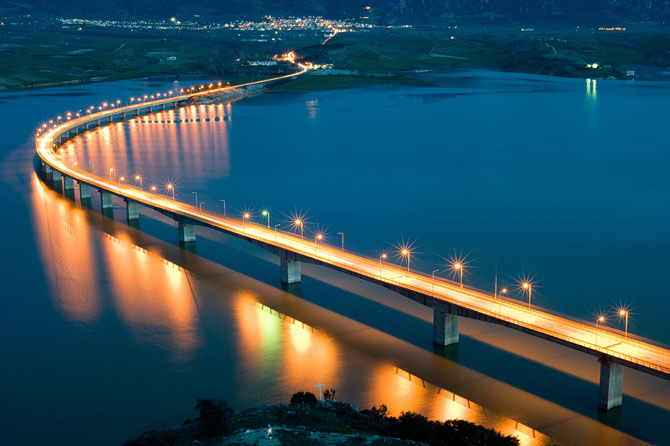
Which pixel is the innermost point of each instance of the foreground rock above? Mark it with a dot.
(309, 422)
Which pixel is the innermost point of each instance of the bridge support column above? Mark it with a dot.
(611, 384)
(48, 170)
(105, 199)
(56, 176)
(186, 232)
(290, 271)
(84, 191)
(68, 182)
(445, 328)
(133, 209)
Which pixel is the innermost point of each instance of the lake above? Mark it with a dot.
(110, 329)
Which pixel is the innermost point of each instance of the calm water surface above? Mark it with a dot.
(109, 329)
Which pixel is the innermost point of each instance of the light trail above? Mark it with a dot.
(649, 357)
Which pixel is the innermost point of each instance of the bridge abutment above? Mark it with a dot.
(132, 209)
(290, 271)
(611, 384)
(186, 232)
(445, 327)
(105, 199)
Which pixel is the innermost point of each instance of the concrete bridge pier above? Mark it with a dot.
(105, 199)
(611, 384)
(186, 232)
(445, 327)
(56, 177)
(84, 191)
(68, 183)
(133, 209)
(290, 271)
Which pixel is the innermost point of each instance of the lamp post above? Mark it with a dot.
(342, 234)
(196, 198)
(246, 216)
(432, 284)
(276, 231)
(600, 320)
(153, 188)
(224, 207)
(170, 187)
(406, 253)
(381, 257)
(200, 205)
(267, 214)
(528, 287)
(317, 239)
(299, 223)
(111, 173)
(139, 178)
(458, 267)
(624, 314)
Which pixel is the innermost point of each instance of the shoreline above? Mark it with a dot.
(347, 79)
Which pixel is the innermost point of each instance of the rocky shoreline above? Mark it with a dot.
(308, 422)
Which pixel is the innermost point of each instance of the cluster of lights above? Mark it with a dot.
(133, 100)
(620, 312)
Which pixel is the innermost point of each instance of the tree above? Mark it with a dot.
(329, 394)
(214, 416)
(305, 398)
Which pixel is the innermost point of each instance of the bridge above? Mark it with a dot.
(448, 301)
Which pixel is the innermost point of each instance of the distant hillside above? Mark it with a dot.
(382, 11)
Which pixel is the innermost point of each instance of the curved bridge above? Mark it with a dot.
(448, 301)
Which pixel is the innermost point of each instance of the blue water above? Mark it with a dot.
(109, 330)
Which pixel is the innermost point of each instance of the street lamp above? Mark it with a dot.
(267, 214)
(458, 267)
(526, 286)
(406, 253)
(200, 205)
(153, 188)
(432, 284)
(600, 320)
(276, 231)
(111, 173)
(170, 187)
(139, 179)
(122, 179)
(246, 216)
(342, 234)
(381, 257)
(224, 207)
(196, 197)
(299, 223)
(624, 314)
(317, 239)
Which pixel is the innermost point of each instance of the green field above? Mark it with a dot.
(38, 59)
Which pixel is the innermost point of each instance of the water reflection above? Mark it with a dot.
(201, 134)
(153, 297)
(64, 243)
(276, 344)
(591, 88)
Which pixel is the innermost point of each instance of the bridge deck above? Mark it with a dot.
(632, 352)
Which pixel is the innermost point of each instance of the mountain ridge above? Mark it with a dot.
(381, 11)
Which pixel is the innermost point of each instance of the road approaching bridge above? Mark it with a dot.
(449, 302)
